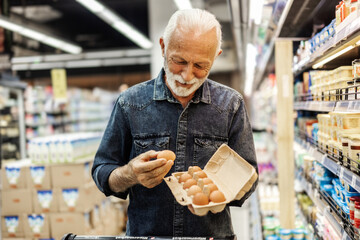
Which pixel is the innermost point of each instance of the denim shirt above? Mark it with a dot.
(147, 117)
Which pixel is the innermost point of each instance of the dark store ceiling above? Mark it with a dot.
(70, 20)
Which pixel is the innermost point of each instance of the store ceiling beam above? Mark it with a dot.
(117, 22)
(39, 35)
(83, 60)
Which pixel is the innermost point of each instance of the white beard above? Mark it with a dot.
(179, 90)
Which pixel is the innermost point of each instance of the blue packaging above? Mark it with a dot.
(348, 195)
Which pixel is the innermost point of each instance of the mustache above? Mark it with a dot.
(182, 81)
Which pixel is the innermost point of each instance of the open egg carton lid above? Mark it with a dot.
(232, 174)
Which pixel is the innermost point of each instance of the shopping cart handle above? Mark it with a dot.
(68, 236)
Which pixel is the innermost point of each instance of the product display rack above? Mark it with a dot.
(347, 33)
(328, 206)
(309, 225)
(16, 89)
(84, 111)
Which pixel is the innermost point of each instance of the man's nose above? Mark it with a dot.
(188, 73)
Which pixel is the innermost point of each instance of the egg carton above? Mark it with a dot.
(232, 174)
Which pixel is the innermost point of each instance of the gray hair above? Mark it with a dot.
(191, 19)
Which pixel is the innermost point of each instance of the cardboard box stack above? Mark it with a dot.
(47, 201)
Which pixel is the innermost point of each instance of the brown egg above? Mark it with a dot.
(189, 183)
(200, 199)
(167, 154)
(212, 187)
(193, 190)
(217, 196)
(184, 177)
(193, 169)
(201, 174)
(207, 181)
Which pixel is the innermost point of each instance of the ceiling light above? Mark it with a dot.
(335, 55)
(39, 36)
(118, 23)
(256, 8)
(92, 5)
(183, 4)
(133, 34)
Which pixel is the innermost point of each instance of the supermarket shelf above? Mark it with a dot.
(328, 106)
(319, 106)
(309, 227)
(347, 33)
(326, 207)
(330, 163)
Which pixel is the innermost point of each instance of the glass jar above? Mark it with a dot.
(357, 215)
(354, 5)
(350, 92)
(354, 149)
(345, 150)
(337, 15)
(357, 88)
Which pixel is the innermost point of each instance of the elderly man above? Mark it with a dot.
(180, 110)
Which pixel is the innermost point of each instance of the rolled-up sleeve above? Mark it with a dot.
(114, 150)
(241, 140)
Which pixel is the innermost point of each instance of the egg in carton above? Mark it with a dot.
(233, 176)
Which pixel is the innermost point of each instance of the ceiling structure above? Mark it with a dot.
(71, 21)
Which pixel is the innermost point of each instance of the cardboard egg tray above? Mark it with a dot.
(233, 176)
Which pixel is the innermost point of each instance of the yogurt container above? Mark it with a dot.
(347, 196)
(285, 234)
(298, 234)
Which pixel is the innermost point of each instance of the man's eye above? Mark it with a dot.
(199, 66)
(179, 61)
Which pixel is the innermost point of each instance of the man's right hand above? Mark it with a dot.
(140, 170)
(150, 173)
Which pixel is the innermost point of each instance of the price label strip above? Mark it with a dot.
(353, 181)
(350, 106)
(323, 159)
(341, 176)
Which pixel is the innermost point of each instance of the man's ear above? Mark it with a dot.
(162, 45)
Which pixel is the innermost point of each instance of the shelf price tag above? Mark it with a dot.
(323, 159)
(356, 105)
(311, 151)
(350, 106)
(341, 173)
(58, 79)
(344, 236)
(353, 181)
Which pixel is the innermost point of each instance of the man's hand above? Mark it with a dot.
(140, 170)
(150, 173)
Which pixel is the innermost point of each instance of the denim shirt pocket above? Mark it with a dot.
(151, 142)
(205, 147)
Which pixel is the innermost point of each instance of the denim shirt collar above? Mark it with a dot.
(162, 92)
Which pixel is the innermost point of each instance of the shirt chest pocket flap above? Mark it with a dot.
(204, 148)
(157, 143)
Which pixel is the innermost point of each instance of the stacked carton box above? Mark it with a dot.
(48, 201)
